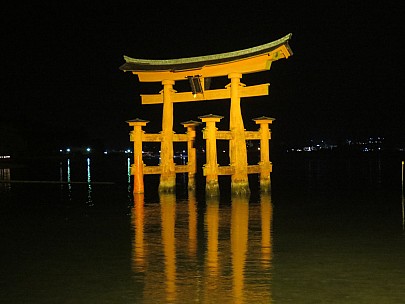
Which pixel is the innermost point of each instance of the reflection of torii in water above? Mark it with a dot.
(197, 70)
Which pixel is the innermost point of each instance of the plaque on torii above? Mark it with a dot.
(196, 69)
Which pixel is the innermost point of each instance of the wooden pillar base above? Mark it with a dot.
(212, 188)
(265, 183)
(167, 185)
(137, 171)
(240, 187)
(191, 182)
(138, 182)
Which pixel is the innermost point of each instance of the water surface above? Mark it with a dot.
(327, 232)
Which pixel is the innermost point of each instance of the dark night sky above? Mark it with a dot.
(60, 65)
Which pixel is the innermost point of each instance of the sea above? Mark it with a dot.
(330, 229)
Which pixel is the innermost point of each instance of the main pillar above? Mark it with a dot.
(168, 174)
(237, 145)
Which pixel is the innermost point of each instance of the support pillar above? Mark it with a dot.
(137, 167)
(265, 164)
(168, 174)
(237, 145)
(211, 166)
(191, 152)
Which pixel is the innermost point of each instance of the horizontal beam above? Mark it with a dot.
(251, 169)
(226, 170)
(251, 91)
(180, 137)
(249, 65)
(227, 135)
(252, 135)
(182, 168)
(266, 167)
(190, 63)
(152, 137)
(159, 137)
(220, 135)
(221, 170)
(152, 169)
(158, 169)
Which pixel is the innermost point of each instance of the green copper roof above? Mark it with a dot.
(137, 120)
(263, 118)
(191, 122)
(210, 116)
(133, 64)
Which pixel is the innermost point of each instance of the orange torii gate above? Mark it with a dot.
(196, 69)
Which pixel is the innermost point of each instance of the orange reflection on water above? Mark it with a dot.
(211, 221)
(137, 219)
(266, 219)
(192, 224)
(239, 240)
(168, 219)
(174, 265)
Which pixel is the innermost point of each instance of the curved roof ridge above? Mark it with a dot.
(209, 58)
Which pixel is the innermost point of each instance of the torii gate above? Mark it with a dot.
(196, 69)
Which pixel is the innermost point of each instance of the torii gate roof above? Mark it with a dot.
(176, 69)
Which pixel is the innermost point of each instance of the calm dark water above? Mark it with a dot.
(330, 231)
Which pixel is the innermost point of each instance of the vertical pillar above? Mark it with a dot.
(237, 145)
(265, 164)
(168, 174)
(211, 166)
(191, 152)
(137, 167)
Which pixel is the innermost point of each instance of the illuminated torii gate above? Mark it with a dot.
(196, 69)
